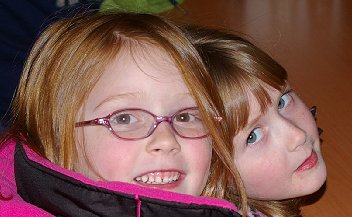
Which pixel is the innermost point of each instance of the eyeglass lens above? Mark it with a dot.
(136, 123)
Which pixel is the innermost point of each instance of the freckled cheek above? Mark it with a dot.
(95, 145)
(108, 156)
(200, 156)
(261, 174)
(199, 152)
(251, 173)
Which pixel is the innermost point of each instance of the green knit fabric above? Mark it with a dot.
(140, 6)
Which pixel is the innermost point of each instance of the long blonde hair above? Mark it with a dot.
(238, 67)
(68, 59)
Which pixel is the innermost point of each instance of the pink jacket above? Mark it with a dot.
(145, 202)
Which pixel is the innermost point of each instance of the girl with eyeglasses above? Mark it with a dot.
(111, 118)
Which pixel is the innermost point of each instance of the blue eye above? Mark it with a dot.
(254, 136)
(284, 100)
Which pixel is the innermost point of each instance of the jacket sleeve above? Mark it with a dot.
(18, 207)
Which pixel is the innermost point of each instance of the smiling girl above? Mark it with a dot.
(110, 112)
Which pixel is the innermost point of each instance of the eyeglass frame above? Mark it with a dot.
(105, 121)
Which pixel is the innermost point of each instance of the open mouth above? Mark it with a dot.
(158, 178)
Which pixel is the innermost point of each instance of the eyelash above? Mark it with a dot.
(254, 133)
(289, 99)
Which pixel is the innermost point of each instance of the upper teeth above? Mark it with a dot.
(158, 177)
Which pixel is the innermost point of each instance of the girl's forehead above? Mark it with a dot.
(259, 99)
(145, 55)
(143, 61)
(253, 104)
(138, 75)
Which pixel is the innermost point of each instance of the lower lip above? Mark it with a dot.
(308, 163)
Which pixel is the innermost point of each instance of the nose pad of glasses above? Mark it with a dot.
(152, 129)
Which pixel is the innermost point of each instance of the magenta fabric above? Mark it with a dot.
(17, 207)
(14, 205)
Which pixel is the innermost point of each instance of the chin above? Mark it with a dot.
(320, 180)
(315, 183)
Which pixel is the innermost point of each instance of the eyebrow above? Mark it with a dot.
(122, 96)
(286, 89)
(118, 97)
(251, 124)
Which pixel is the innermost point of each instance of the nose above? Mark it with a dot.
(295, 136)
(163, 140)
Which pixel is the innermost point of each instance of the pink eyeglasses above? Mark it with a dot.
(134, 123)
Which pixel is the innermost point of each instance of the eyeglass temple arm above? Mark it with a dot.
(98, 121)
